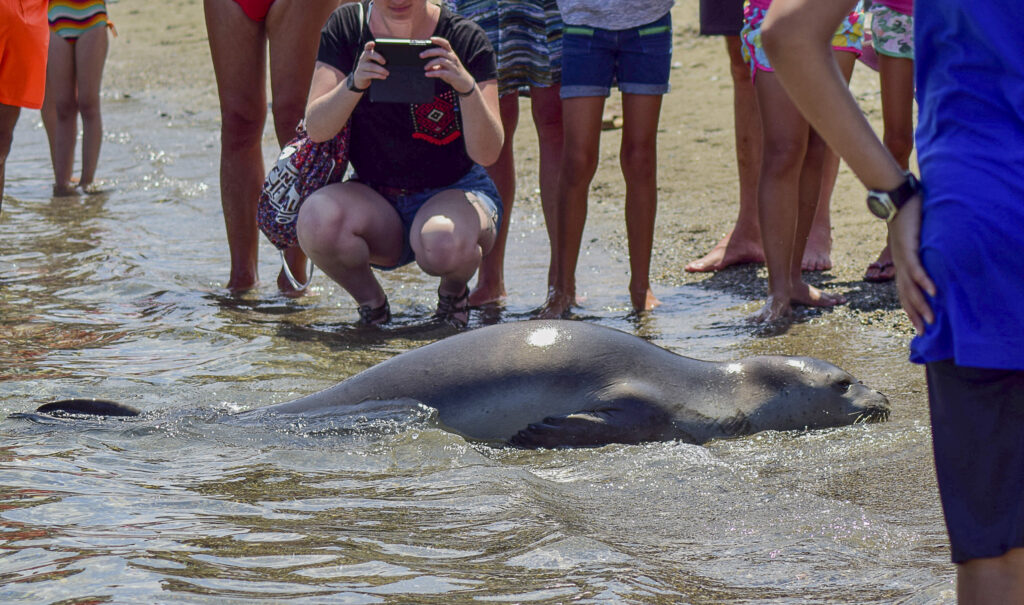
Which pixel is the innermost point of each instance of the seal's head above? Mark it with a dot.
(809, 393)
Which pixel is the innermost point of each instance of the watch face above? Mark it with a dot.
(880, 206)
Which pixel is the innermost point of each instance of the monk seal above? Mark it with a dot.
(560, 383)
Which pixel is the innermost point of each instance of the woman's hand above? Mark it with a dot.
(445, 64)
(911, 279)
(369, 66)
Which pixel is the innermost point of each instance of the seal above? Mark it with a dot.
(565, 383)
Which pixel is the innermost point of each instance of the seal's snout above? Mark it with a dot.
(875, 406)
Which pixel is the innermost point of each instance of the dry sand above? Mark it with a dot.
(163, 47)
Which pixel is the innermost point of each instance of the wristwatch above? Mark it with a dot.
(885, 204)
(350, 83)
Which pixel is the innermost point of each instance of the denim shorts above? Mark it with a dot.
(407, 203)
(977, 415)
(638, 59)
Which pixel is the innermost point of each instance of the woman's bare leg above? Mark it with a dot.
(238, 49)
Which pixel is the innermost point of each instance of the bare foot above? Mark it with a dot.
(644, 300)
(806, 294)
(557, 306)
(881, 270)
(775, 309)
(65, 190)
(485, 294)
(727, 253)
(818, 253)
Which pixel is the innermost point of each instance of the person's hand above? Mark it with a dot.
(445, 64)
(911, 279)
(369, 66)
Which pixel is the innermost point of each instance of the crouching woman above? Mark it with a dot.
(419, 191)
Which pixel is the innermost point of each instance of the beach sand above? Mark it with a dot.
(162, 51)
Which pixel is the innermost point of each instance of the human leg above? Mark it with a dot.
(8, 118)
(818, 254)
(978, 410)
(785, 146)
(490, 285)
(897, 83)
(450, 234)
(238, 49)
(638, 157)
(90, 55)
(546, 107)
(743, 243)
(581, 119)
(60, 113)
(343, 228)
(293, 37)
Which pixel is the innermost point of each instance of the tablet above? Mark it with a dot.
(407, 83)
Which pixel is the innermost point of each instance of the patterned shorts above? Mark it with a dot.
(892, 31)
(526, 36)
(849, 37)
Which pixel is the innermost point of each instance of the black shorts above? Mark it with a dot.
(721, 17)
(978, 438)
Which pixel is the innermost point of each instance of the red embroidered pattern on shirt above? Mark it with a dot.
(436, 122)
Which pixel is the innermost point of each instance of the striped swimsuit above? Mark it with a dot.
(69, 19)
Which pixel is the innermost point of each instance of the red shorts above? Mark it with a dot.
(254, 9)
(24, 40)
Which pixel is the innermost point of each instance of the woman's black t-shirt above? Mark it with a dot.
(401, 145)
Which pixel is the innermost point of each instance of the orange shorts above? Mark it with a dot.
(24, 40)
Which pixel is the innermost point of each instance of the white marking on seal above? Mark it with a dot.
(798, 364)
(542, 337)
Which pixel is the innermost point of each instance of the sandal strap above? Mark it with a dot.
(448, 305)
(375, 316)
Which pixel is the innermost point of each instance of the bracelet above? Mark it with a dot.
(350, 83)
(472, 89)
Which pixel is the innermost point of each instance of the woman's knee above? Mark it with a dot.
(783, 155)
(323, 225)
(241, 124)
(442, 248)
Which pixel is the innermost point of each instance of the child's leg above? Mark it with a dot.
(785, 146)
(581, 120)
(490, 284)
(61, 112)
(638, 157)
(90, 55)
(897, 83)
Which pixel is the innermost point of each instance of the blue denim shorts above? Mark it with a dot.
(407, 203)
(638, 59)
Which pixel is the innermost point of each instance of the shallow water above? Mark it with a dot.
(119, 296)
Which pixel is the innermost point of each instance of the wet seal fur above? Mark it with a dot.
(573, 384)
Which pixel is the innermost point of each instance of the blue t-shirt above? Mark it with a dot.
(970, 140)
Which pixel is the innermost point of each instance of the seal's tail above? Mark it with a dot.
(87, 407)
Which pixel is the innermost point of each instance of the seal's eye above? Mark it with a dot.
(843, 385)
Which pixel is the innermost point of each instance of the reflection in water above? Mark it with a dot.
(120, 296)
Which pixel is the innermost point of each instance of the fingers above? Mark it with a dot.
(912, 281)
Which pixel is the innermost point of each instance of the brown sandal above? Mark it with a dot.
(453, 309)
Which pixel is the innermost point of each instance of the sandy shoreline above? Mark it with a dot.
(163, 52)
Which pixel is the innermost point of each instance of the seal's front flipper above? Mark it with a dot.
(87, 407)
(628, 421)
